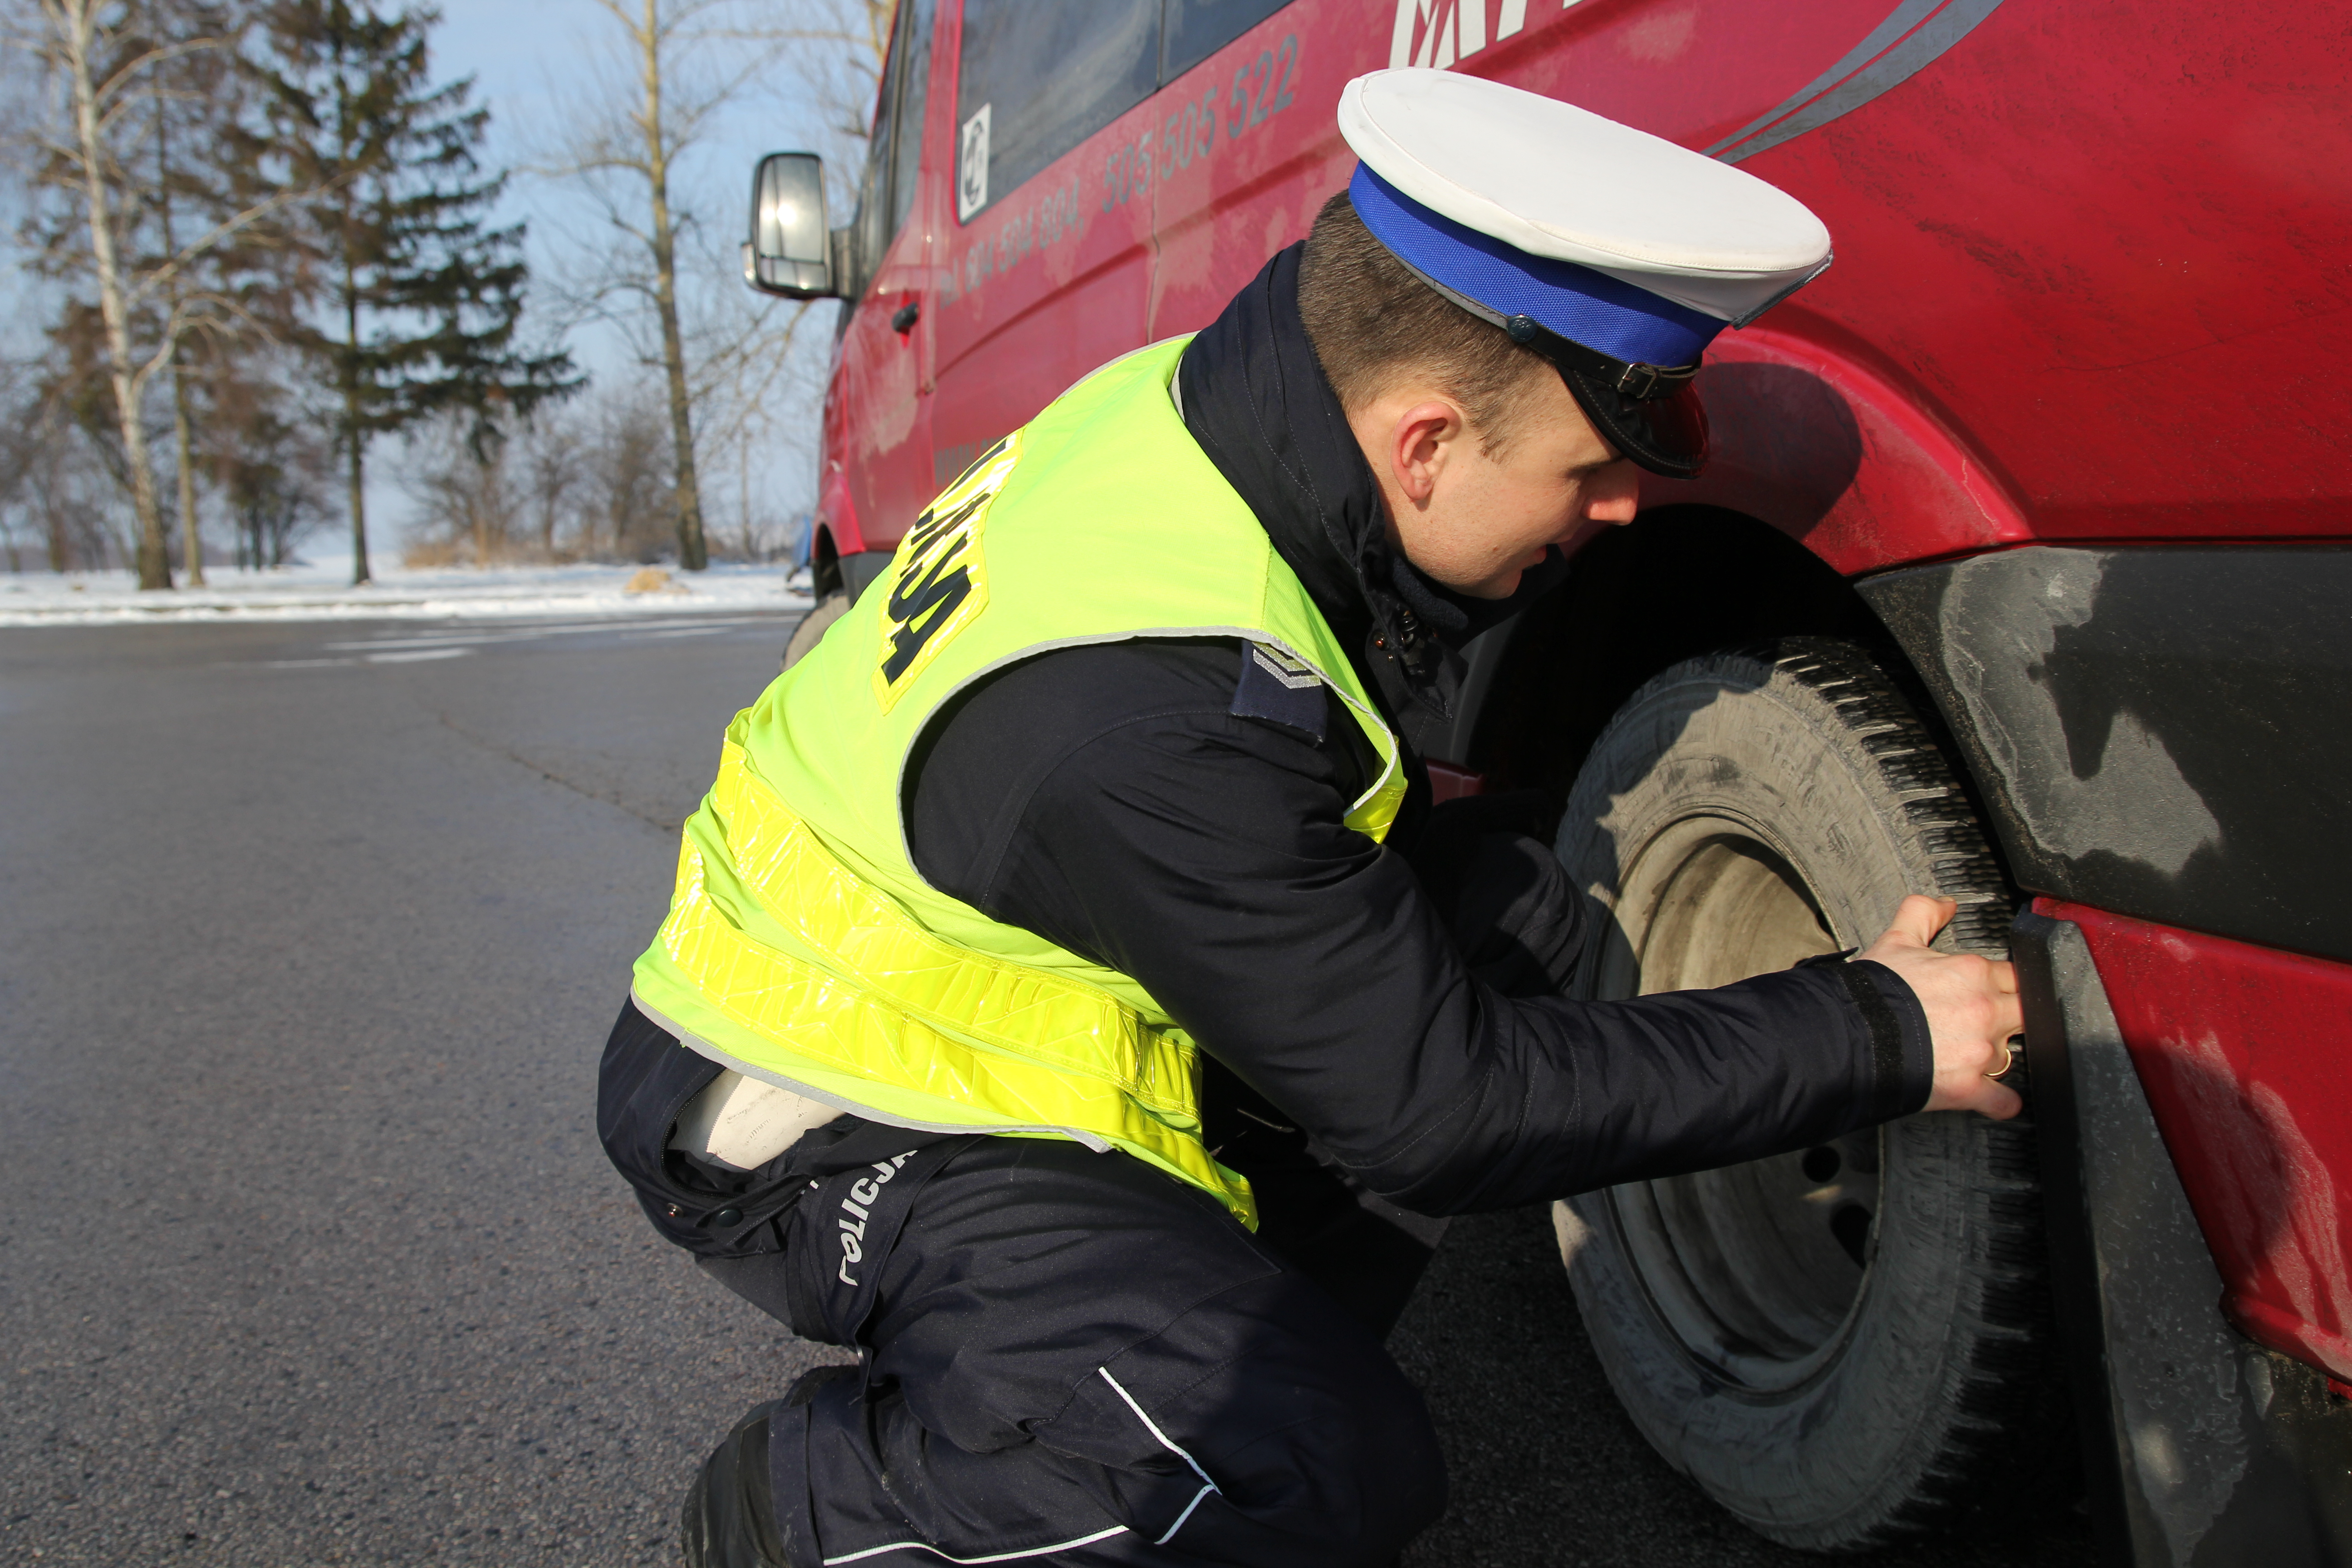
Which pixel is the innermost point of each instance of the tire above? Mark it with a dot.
(812, 629)
(1846, 1346)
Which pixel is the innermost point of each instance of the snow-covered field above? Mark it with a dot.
(321, 590)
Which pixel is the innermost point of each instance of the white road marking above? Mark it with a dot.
(418, 656)
(636, 629)
(520, 634)
(415, 649)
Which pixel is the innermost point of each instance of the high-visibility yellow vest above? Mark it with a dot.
(802, 946)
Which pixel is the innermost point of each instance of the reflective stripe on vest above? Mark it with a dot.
(959, 1036)
(803, 947)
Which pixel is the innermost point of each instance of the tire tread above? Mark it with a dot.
(2003, 1421)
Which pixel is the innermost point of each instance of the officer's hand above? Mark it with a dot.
(1971, 1006)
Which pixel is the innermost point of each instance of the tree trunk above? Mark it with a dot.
(192, 545)
(361, 575)
(692, 553)
(744, 483)
(478, 502)
(354, 437)
(75, 21)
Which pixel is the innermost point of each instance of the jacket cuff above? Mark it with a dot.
(1902, 1051)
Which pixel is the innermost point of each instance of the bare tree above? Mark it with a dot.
(61, 489)
(628, 491)
(106, 61)
(584, 480)
(271, 457)
(552, 456)
(462, 492)
(841, 47)
(192, 544)
(193, 94)
(751, 389)
(678, 65)
(19, 449)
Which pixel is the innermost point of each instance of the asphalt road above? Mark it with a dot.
(309, 938)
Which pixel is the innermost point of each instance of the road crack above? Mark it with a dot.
(529, 764)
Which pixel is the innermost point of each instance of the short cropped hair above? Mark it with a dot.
(1374, 323)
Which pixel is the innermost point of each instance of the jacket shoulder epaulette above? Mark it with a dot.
(1276, 688)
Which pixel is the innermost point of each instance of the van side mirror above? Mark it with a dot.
(791, 252)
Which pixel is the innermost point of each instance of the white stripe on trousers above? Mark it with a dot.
(995, 1557)
(1207, 1485)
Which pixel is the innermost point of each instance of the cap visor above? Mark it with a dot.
(1667, 436)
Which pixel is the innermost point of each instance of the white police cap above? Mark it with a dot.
(1553, 180)
(1617, 254)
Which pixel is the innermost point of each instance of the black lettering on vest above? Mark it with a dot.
(922, 608)
(930, 528)
(930, 585)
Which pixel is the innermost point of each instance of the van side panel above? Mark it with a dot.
(836, 512)
(1249, 152)
(2099, 247)
(879, 379)
(1689, 70)
(1046, 282)
(880, 407)
(2109, 242)
(2022, 270)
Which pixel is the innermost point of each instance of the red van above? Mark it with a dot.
(2019, 572)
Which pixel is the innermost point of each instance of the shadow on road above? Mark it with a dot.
(1547, 1471)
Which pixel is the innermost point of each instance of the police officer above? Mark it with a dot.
(1068, 999)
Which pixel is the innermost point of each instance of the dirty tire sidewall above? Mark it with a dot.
(812, 629)
(1935, 1388)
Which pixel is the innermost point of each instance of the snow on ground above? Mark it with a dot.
(321, 590)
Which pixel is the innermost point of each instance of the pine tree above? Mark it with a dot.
(421, 300)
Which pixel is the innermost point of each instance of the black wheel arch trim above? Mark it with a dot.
(2160, 730)
(859, 570)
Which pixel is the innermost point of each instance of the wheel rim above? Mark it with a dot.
(1755, 1269)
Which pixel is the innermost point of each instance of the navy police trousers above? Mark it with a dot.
(1065, 1357)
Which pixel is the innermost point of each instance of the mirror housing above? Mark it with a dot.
(791, 252)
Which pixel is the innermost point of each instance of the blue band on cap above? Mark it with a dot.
(1580, 304)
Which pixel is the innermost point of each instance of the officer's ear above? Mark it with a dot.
(1423, 437)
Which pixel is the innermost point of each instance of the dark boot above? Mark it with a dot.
(729, 1519)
